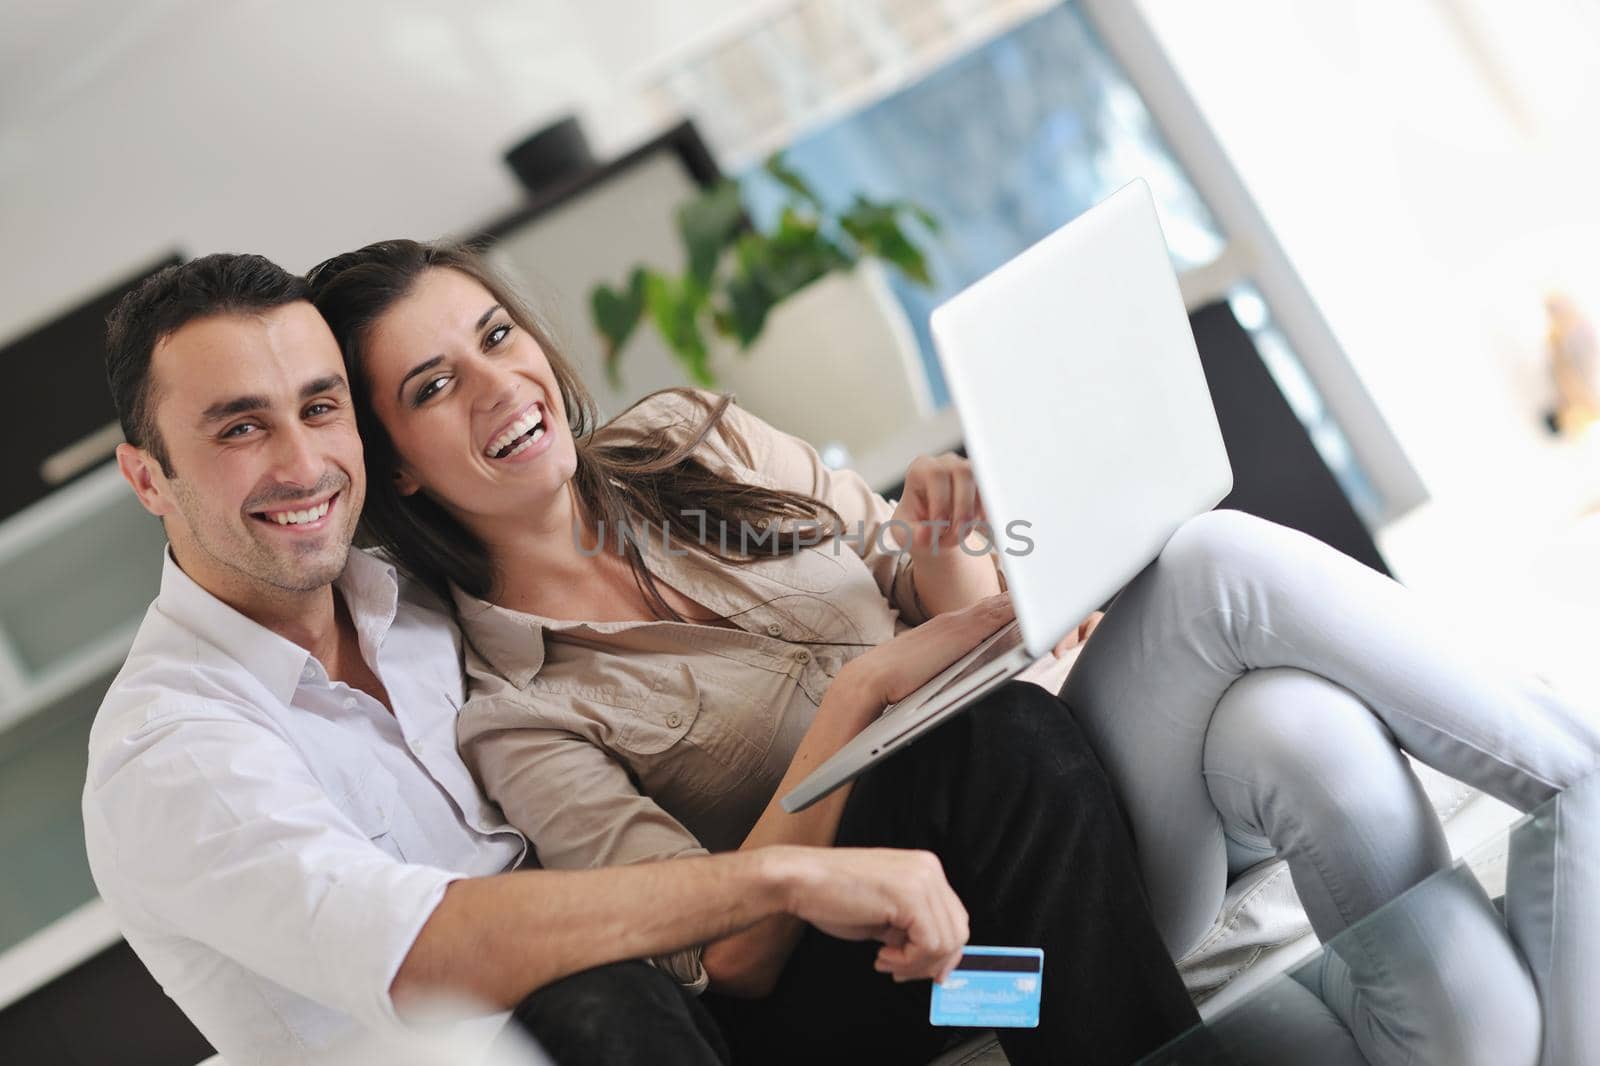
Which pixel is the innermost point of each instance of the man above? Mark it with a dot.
(275, 810)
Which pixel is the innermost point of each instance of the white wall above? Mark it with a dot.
(1431, 166)
(1424, 206)
(294, 128)
(1432, 175)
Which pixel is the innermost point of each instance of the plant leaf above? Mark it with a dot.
(780, 171)
(675, 308)
(920, 213)
(748, 305)
(616, 314)
(710, 223)
(876, 227)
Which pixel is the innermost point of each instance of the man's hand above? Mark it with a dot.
(900, 898)
(898, 667)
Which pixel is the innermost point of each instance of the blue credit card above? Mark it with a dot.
(992, 988)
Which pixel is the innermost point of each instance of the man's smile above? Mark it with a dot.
(301, 518)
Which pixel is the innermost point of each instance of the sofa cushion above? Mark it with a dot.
(1260, 925)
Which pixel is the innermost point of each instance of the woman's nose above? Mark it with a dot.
(498, 388)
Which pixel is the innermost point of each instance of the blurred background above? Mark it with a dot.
(1383, 213)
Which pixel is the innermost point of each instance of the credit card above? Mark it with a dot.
(992, 988)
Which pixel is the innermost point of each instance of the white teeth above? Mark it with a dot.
(512, 432)
(525, 445)
(296, 518)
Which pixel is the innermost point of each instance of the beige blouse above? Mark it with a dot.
(621, 742)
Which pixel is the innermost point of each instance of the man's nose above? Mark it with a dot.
(297, 460)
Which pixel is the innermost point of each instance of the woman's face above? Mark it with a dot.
(470, 402)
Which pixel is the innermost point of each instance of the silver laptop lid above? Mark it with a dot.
(1085, 410)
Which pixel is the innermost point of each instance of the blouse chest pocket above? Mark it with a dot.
(684, 743)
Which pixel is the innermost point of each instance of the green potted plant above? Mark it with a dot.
(737, 274)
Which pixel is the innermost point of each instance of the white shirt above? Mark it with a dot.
(272, 842)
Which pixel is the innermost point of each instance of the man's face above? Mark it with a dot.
(267, 481)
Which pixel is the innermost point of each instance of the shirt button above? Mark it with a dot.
(674, 720)
(802, 656)
(308, 672)
(773, 629)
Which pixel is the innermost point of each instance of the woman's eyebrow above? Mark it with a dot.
(421, 368)
(487, 315)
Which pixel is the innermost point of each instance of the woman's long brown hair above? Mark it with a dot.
(622, 481)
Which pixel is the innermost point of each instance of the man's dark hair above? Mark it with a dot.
(167, 301)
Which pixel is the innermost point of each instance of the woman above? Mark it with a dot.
(675, 735)
(633, 701)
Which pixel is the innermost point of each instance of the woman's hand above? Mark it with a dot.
(939, 499)
(1050, 672)
(941, 523)
(1077, 636)
(896, 668)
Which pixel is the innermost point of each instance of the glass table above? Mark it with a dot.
(1493, 960)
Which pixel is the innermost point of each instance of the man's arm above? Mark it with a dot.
(496, 939)
(209, 826)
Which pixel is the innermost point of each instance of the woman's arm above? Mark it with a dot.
(748, 963)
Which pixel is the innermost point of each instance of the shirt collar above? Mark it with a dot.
(371, 592)
(512, 642)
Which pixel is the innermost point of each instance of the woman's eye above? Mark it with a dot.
(496, 335)
(429, 390)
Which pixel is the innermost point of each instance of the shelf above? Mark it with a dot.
(100, 657)
(55, 949)
(62, 509)
(78, 570)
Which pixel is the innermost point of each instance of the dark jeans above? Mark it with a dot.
(624, 1014)
(1018, 809)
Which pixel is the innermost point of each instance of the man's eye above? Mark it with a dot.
(317, 410)
(243, 429)
(496, 335)
(429, 390)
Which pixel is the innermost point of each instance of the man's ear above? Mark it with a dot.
(141, 470)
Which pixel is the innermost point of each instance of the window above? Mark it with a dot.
(1006, 120)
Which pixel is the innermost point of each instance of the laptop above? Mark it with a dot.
(1092, 437)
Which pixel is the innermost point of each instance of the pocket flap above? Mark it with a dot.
(659, 723)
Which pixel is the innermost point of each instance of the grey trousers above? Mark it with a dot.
(1250, 694)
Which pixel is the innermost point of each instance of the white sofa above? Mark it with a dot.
(1262, 930)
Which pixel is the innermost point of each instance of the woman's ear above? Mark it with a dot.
(405, 483)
